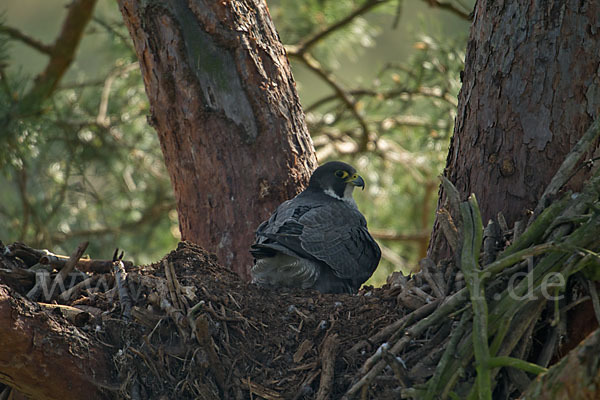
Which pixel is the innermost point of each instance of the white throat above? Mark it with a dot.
(347, 195)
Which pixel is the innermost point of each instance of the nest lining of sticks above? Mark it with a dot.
(486, 321)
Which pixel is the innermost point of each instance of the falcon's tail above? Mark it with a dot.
(261, 251)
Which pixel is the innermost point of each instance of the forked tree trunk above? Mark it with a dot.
(224, 104)
(531, 88)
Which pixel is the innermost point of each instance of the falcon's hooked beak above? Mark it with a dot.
(356, 180)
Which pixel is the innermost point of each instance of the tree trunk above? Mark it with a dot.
(224, 105)
(530, 90)
(46, 358)
(576, 376)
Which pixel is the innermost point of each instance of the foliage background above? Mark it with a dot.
(380, 92)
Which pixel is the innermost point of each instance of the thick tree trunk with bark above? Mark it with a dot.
(47, 358)
(531, 88)
(224, 104)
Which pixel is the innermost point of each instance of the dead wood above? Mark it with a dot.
(120, 277)
(45, 357)
(33, 256)
(328, 355)
(76, 316)
(59, 279)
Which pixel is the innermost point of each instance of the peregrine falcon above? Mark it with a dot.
(317, 240)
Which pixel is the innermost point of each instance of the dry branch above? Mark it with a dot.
(329, 352)
(76, 316)
(32, 256)
(60, 278)
(121, 280)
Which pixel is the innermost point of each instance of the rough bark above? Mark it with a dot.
(531, 88)
(577, 376)
(46, 359)
(224, 105)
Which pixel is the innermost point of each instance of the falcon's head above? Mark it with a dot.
(336, 179)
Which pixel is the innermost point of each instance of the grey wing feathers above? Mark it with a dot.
(339, 237)
(329, 231)
(282, 231)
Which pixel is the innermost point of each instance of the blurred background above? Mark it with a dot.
(85, 165)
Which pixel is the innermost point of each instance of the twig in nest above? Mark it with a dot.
(370, 369)
(437, 285)
(435, 385)
(305, 385)
(42, 282)
(428, 354)
(264, 392)
(177, 316)
(87, 283)
(520, 327)
(329, 351)
(427, 298)
(225, 329)
(67, 269)
(450, 304)
(595, 300)
(303, 348)
(209, 296)
(394, 327)
(85, 264)
(202, 305)
(120, 277)
(397, 365)
(516, 376)
(234, 300)
(206, 342)
(149, 363)
(174, 289)
(29, 255)
(76, 316)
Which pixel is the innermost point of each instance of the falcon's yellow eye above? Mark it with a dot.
(341, 174)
